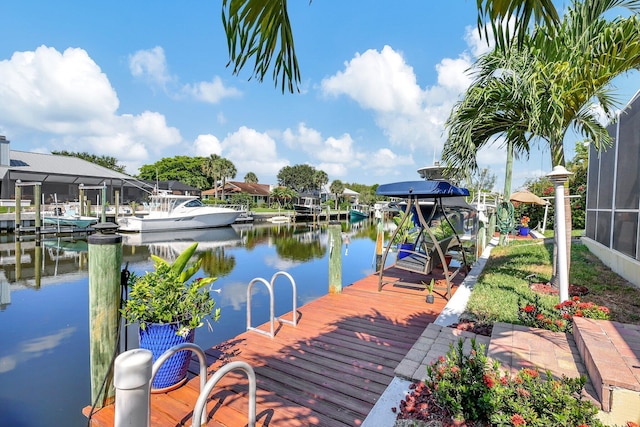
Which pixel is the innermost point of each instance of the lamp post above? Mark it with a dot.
(559, 176)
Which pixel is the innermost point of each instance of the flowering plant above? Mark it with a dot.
(525, 221)
(164, 296)
(469, 386)
(561, 320)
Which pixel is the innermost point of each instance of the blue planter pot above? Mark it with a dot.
(158, 338)
(524, 231)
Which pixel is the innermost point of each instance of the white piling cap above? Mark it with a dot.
(133, 369)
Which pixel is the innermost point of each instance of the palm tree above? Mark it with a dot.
(210, 168)
(260, 30)
(251, 178)
(337, 188)
(537, 91)
(320, 179)
(227, 170)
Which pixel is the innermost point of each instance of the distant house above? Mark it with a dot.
(350, 195)
(259, 192)
(61, 176)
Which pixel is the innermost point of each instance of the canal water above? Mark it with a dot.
(44, 313)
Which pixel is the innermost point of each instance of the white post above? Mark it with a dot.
(559, 176)
(132, 378)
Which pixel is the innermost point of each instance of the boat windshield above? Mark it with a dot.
(195, 203)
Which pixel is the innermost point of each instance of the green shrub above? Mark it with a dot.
(475, 390)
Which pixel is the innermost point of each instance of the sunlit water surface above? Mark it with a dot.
(44, 324)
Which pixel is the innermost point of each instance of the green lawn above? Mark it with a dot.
(503, 288)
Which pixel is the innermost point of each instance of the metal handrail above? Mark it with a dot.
(271, 307)
(199, 409)
(272, 317)
(184, 347)
(294, 311)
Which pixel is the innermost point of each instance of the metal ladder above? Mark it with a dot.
(133, 404)
(272, 318)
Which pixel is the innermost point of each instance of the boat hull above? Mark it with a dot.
(79, 222)
(183, 222)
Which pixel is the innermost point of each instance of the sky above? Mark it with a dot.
(142, 80)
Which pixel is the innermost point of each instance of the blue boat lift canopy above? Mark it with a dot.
(416, 193)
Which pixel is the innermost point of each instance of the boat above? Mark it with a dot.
(358, 212)
(68, 218)
(168, 212)
(310, 206)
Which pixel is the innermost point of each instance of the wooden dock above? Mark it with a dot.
(328, 371)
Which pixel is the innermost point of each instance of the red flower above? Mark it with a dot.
(488, 381)
(604, 309)
(578, 313)
(576, 298)
(540, 316)
(530, 372)
(529, 308)
(517, 420)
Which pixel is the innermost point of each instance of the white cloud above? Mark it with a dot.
(49, 91)
(411, 117)
(206, 145)
(252, 151)
(211, 92)
(67, 96)
(381, 81)
(150, 65)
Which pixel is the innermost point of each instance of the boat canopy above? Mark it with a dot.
(421, 189)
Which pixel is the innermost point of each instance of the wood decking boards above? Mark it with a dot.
(328, 371)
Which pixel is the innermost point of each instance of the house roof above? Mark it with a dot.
(28, 166)
(243, 187)
(350, 192)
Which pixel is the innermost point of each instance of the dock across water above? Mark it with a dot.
(327, 371)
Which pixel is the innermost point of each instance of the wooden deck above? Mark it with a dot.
(328, 371)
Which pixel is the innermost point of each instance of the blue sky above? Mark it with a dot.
(141, 80)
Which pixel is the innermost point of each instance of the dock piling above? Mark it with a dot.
(105, 259)
(335, 257)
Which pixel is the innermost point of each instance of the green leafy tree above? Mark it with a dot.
(104, 161)
(300, 178)
(337, 188)
(259, 31)
(251, 178)
(185, 169)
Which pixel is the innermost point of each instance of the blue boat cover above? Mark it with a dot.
(424, 189)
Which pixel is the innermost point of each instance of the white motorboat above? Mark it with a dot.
(168, 212)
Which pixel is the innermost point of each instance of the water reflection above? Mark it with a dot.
(44, 301)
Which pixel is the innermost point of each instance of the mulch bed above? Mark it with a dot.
(549, 289)
(419, 408)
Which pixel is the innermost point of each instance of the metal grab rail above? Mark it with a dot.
(201, 359)
(199, 411)
(272, 317)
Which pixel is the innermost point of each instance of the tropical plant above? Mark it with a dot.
(337, 188)
(261, 30)
(251, 178)
(165, 296)
(535, 91)
(407, 231)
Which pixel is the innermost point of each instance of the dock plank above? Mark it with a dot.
(328, 371)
